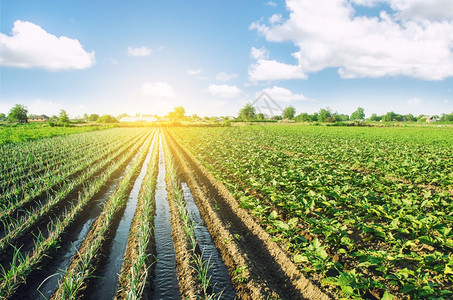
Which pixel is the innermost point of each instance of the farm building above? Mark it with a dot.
(430, 119)
(38, 118)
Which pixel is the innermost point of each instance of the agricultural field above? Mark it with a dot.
(17, 133)
(363, 212)
(256, 212)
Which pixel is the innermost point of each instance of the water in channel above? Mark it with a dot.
(64, 259)
(108, 283)
(218, 271)
(61, 262)
(165, 283)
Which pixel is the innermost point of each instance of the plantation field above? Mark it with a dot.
(28, 132)
(254, 212)
(365, 212)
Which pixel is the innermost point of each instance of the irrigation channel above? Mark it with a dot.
(151, 223)
(165, 283)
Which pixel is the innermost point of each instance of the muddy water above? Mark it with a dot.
(108, 283)
(65, 255)
(218, 272)
(64, 259)
(165, 282)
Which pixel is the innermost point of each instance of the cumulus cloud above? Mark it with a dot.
(224, 91)
(140, 51)
(30, 46)
(283, 94)
(277, 18)
(158, 90)
(434, 10)
(264, 69)
(261, 53)
(271, 3)
(194, 71)
(414, 40)
(222, 76)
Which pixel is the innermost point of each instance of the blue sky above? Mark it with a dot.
(212, 57)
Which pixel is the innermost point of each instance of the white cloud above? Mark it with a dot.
(277, 18)
(260, 53)
(140, 51)
(222, 76)
(158, 90)
(434, 10)
(414, 102)
(271, 3)
(330, 35)
(224, 91)
(30, 46)
(265, 69)
(194, 72)
(284, 95)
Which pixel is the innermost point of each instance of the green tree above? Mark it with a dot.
(247, 113)
(303, 117)
(358, 114)
(63, 117)
(18, 114)
(390, 116)
(324, 115)
(93, 117)
(289, 113)
(375, 117)
(2, 117)
(107, 119)
(177, 113)
(447, 118)
(410, 118)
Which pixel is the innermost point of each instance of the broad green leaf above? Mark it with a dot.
(387, 296)
(298, 258)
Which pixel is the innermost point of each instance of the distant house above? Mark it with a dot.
(139, 118)
(430, 119)
(38, 118)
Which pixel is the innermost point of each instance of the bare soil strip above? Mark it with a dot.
(259, 268)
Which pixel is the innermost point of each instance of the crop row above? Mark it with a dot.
(27, 158)
(23, 264)
(138, 260)
(362, 231)
(201, 286)
(15, 227)
(83, 264)
(48, 184)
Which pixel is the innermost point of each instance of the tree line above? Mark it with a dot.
(19, 114)
(325, 115)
